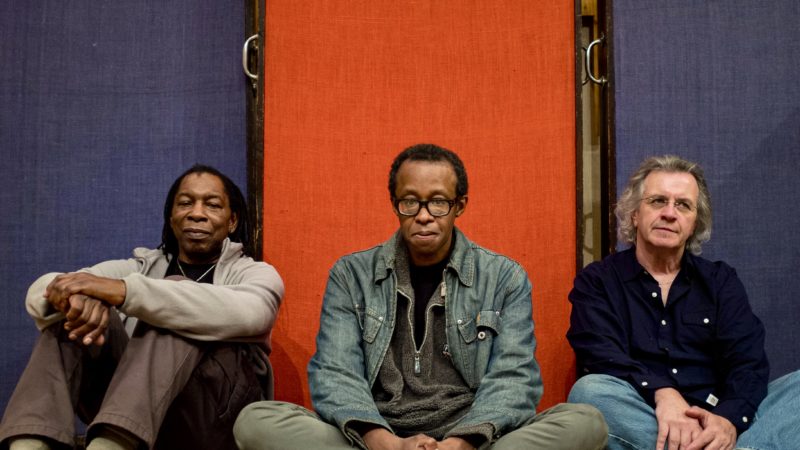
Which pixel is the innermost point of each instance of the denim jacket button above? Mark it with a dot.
(459, 321)
(482, 335)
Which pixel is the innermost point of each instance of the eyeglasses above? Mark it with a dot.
(658, 202)
(438, 207)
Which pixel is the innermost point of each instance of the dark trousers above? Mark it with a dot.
(169, 391)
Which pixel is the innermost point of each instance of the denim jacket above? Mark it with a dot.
(489, 334)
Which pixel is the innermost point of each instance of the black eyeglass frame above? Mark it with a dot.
(424, 204)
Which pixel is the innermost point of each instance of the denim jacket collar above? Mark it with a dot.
(462, 261)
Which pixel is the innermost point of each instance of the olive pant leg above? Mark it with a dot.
(277, 425)
(565, 426)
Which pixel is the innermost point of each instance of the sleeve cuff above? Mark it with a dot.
(477, 435)
(738, 412)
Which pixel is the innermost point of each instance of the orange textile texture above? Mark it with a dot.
(351, 84)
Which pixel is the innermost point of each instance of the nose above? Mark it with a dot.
(424, 216)
(197, 212)
(669, 212)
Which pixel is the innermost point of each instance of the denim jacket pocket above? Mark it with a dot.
(372, 324)
(487, 321)
(484, 326)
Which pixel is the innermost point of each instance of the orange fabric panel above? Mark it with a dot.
(350, 84)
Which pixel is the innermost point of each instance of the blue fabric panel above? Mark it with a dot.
(102, 106)
(716, 82)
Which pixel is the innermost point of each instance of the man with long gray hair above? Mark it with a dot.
(667, 345)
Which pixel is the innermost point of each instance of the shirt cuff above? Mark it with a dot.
(738, 412)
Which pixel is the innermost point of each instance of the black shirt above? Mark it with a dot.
(706, 342)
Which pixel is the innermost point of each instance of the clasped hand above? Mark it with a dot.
(681, 427)
(380, 439)
(85, 300)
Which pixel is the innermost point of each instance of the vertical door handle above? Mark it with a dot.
(245, 52)
(588, 61)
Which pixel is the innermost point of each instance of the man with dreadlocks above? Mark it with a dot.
(161, 350)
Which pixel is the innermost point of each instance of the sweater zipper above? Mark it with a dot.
(418, 350)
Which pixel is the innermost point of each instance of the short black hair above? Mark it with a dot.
(169, 243)
(432, 153)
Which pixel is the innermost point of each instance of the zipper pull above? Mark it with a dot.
(417, 368)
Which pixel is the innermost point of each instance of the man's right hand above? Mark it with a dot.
(676, 430)
(86, 319)
(381, 439)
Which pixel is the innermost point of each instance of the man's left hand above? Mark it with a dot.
(66, 285)
(718, 432)
(87, 320)
(454, 443)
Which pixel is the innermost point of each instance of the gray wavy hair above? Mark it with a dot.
(632, 196)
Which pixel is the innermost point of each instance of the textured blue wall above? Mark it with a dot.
(716, 82)
(102, 106)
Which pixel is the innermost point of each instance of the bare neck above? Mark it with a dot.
(659, 261)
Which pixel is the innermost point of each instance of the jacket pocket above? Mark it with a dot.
(484, 326)
(372, 324)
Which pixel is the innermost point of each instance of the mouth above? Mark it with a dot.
(195, 233)
(665, 230)
(425, 235)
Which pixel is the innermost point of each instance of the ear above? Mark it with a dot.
(635, 218)
(461, 205)
(234, 222)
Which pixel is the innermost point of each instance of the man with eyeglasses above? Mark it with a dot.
(425, 341)
(667, 344)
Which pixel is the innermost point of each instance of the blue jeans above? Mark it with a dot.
(632, 422)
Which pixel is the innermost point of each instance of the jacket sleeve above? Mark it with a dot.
(511, 387)
(39, 308)
(740, 350)
(598, 333)
(337, 373)
(243, 308)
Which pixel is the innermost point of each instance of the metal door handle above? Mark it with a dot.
(245, 52)
(588, 61)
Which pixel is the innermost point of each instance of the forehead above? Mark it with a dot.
(202, 184)
(426, 177)
(675, 184)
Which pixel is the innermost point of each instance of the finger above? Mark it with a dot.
(99, 331)
(95, 322)
(77, 304)
(674, 438)
(663, 432)
(702, 440)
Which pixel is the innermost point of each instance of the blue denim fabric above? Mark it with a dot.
(489, 335)
(632, 422)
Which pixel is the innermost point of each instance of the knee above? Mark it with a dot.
(255, 423)
(591, 422)
(589, 387)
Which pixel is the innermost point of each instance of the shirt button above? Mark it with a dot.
(663, 322)
(744, 419)
(497, 313)
(706, 320)
(644, 383)
(674, 370)
(654, 294)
